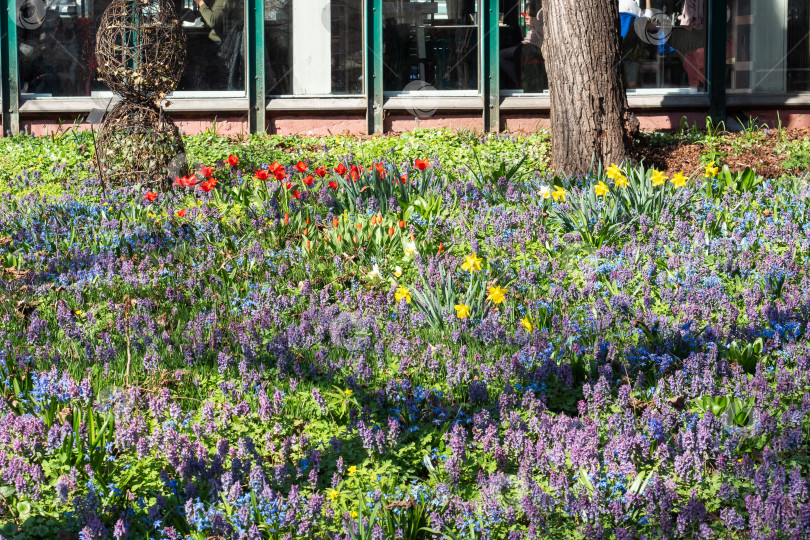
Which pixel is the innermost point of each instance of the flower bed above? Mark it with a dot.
(327, 346)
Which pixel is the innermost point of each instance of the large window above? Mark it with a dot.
(56, 51)
(313, 47)
(430, 45)
(768, 49)
(663, 45)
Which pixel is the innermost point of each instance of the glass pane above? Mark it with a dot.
(215, 52)
(57, 56)
(769, 46)
(430, 45)
(313, 47)
(521, 35)
(664, 43)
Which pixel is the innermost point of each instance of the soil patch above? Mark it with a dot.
(762, 150)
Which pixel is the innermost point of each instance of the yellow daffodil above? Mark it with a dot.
(526, 323)
(558, 194)
(398, 271)
(496, 294)
(545, 192)
(462, 311)
(472, 263)
(712, 169)
(352, 470)
(679, 180)
(403, 292)
(601, 189)
(658, 178)
(613, 171)
(333, 494)
(621, 181)
(348, 391)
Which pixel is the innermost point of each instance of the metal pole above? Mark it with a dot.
(9, 71)
(491, 86)
(716, 60)
(254, 26)
(374, 66)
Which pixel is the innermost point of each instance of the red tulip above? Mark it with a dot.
(301, 166)
(181, 213)
(274, 167)
(208, 185)
(288, 185)
(401, 223)
(185, 181)
(404, 178)
(421, 164)
(320, 171)
(286, 218)
(340, 169)
(296, 194)
(333, 184)
(261, 174)
(308, 180)
(281, 174)
(232, 160)
(354, 172)
(380, 169)
(206, 171)
(150, 196)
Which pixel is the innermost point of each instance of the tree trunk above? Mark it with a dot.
(590, 118)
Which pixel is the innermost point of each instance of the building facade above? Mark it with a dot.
(374, 66)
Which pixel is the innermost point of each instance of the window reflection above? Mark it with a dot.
(664, 43)
(430, 45)
(215, 38)
(57, 58)
(521, 35)
(313, 47)
(769, 45)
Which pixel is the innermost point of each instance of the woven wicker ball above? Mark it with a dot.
(139, 143)
(141, 49)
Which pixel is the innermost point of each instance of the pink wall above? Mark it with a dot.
(395, 122)
(226, 125)
(325, 124)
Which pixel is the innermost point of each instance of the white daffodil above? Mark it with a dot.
(545, 192)
(375, 272)
(398, 271)
(410, 249)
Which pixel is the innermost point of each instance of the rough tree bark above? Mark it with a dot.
(590, 118)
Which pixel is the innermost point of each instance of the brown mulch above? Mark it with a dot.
(736, 150)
